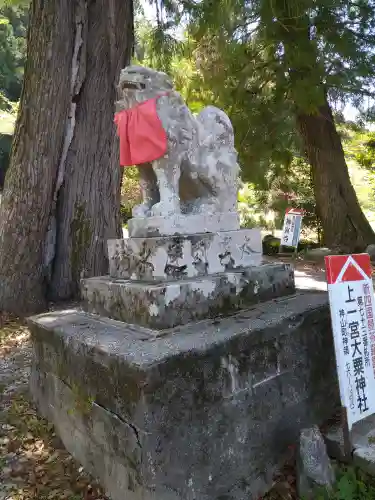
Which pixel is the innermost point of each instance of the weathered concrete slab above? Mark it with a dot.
(169, 304)
(145, 227)
(205, 412)
(184, 256)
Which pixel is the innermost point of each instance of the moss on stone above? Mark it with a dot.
(82, 401)
(81, 235)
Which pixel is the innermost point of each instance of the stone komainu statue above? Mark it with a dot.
(187, 164)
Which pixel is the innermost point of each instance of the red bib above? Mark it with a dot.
(142, 136)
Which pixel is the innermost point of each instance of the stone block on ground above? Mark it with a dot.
(147, 227)
(168, 304)
(184, 256)
(362, 440)
(314, 469)
(334, 439)
(206, 411)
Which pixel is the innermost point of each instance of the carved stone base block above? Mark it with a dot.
(185, 256)
(168, 304)
(183, 224)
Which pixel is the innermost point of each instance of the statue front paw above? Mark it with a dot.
(142, 210)
(164, 208)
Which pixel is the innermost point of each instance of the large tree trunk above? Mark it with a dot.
(345, 226)
(61, 195)
(89, 202)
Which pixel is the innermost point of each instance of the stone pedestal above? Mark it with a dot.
(173, 279)
(187, 375)
(184, 256)
(206, 411)
(168, 304)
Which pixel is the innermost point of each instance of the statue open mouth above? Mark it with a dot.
(133, 85)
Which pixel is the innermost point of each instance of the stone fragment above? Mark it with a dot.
(314, 469)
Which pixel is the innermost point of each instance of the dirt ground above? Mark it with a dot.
(33, 461)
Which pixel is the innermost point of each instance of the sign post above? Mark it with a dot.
(291, 229)
(351, 299)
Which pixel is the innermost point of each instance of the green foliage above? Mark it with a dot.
(14, 3)
(358, 143)
(252, 208)
(13, 21)
(284, 187)
(160, 47)
(301, 44)
(8, 112)
(352, 484)
(360, 147)
(155, 46)
(130, 192)
(230, 67)
(262, 59)
(213, 71)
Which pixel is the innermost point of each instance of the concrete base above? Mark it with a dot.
(206, 412)
(169, 304)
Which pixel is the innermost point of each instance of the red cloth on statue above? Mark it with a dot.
(142, 136)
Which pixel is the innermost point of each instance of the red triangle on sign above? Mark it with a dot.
(352, 274)
(350, 267)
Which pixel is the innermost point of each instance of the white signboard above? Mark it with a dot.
(351, 298)
(292, 227)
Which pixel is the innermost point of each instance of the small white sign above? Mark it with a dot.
(292, 227)
(351, 298)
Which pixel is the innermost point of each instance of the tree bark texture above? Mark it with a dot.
(62, 190)
(345, 227)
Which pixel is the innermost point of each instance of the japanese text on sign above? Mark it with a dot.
(292, 227)
(351, 300)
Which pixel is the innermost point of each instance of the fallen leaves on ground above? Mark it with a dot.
(284, 485)
(33, 461)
